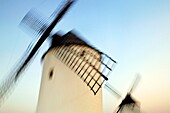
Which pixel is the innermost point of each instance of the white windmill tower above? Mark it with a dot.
(73, 71)
(73, 74)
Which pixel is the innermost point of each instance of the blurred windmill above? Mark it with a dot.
(69, 55)
(129, 104)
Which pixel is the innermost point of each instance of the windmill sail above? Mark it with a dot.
(73, 73)
(15, 74)
(34, 22)
(82, 61)
(129, 104)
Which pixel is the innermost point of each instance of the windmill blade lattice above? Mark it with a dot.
(11, 80)
(13, 77)
(34, 22)
(79, 57)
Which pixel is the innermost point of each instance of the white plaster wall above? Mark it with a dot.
(65, 92)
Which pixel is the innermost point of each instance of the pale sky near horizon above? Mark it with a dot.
(134, 33)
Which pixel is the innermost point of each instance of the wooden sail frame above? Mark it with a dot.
(74, 53)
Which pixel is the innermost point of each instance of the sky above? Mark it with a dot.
(134, 33)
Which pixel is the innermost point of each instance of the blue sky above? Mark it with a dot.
(135, 33)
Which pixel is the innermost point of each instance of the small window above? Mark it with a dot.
(82, 54)
(51, 74)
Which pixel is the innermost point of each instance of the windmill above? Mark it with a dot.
(129, 104)
(73, 56)
(73, 75)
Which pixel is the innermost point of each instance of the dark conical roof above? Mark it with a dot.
(127, 100)
(67, 39)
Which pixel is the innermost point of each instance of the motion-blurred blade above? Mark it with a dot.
(11, 80)
(112, 90)
(135, 83)
(34, 22)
